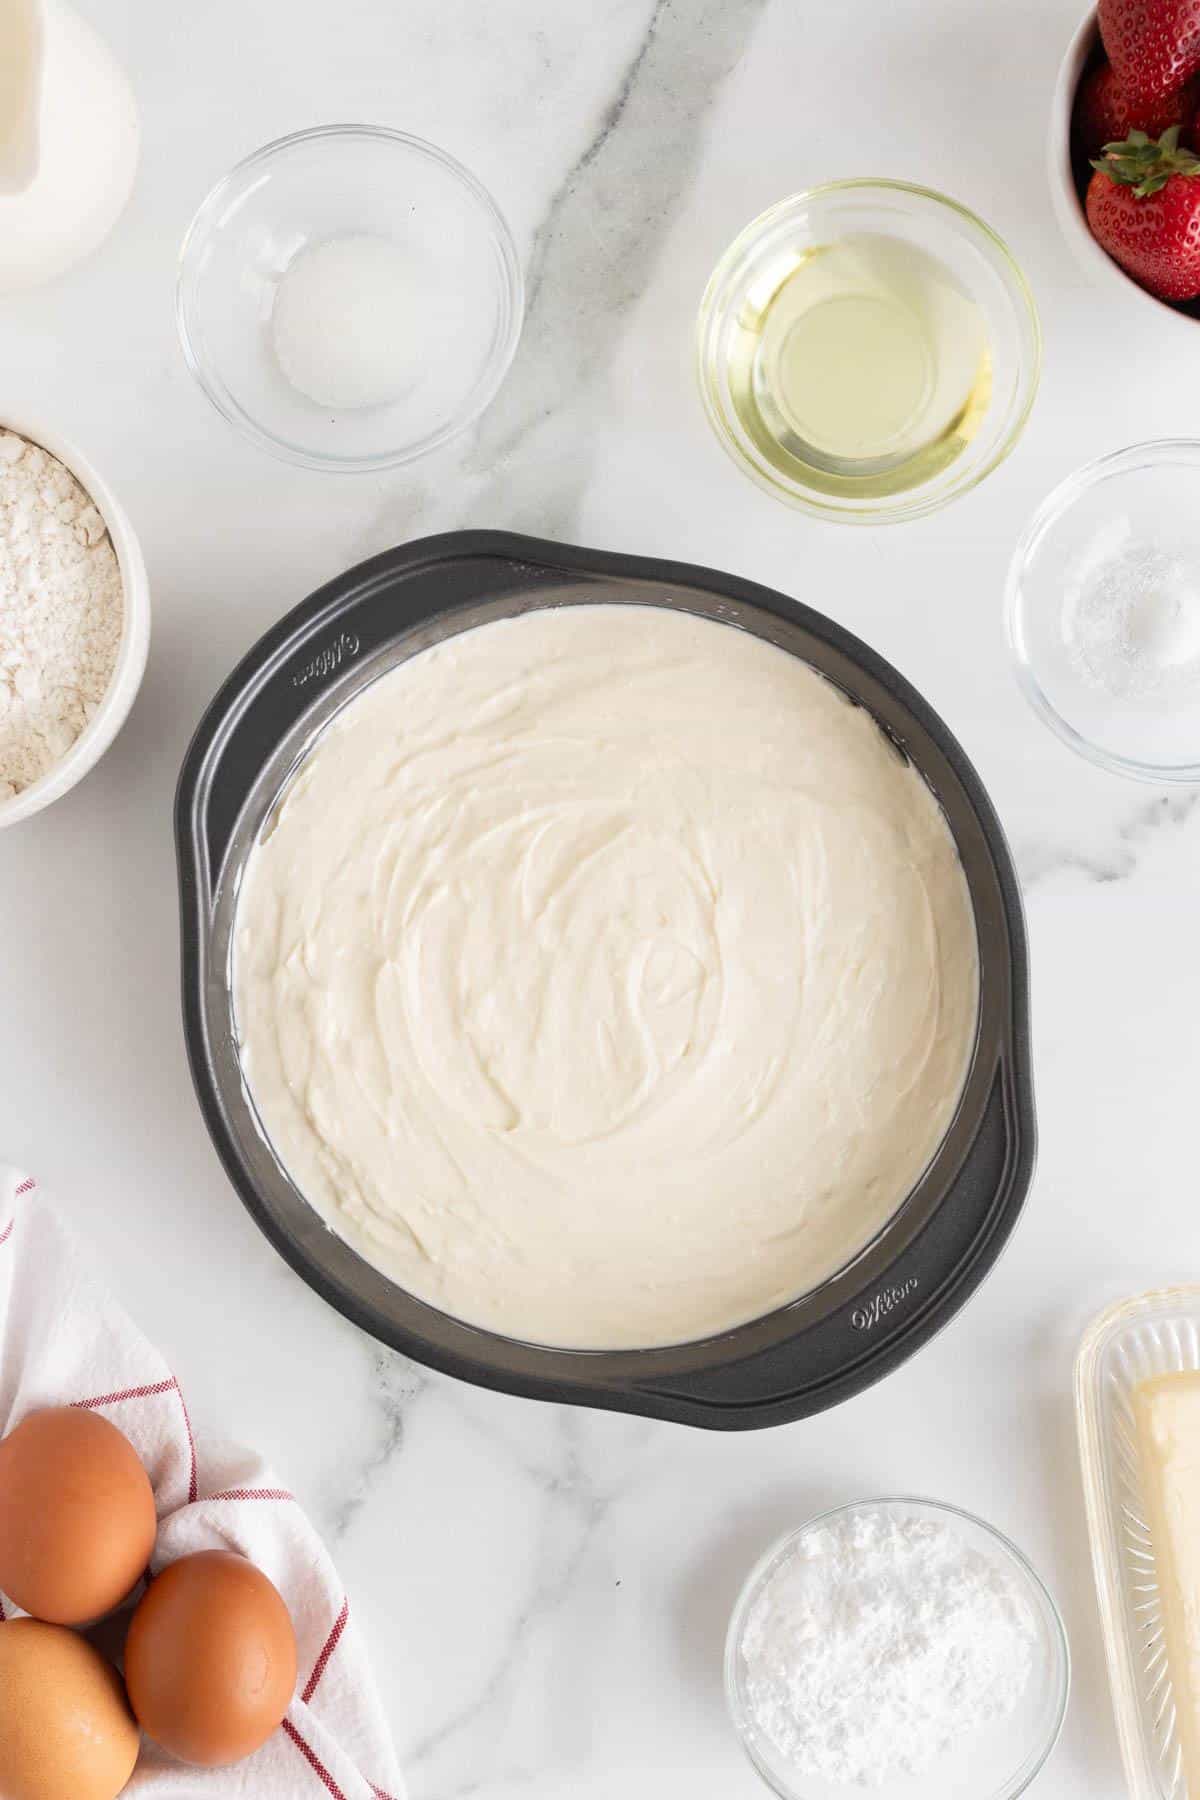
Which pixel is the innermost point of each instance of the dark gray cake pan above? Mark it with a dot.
(824, 1347)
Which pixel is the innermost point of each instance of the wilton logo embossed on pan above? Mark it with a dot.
(327, 660)
(865, 1318)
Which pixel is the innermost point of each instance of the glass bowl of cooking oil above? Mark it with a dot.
(868, 350)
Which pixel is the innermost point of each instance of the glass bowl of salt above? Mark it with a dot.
(1103, 611)
(901, 1648)
(349, 297)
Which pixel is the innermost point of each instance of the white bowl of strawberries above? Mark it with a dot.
(1125, 149)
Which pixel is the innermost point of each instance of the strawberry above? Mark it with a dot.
(1104, 113)
(1143, 207)
(1153, 45)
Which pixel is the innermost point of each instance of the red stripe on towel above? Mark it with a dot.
(241, 1493)
(147, 1392)
(26, 1187)
(133, 1393)
(327, 1650)
(313, 1760)
(192, 1482)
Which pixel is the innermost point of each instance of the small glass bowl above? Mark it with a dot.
(996, 1762)
(1147, 495)
(978, 264)
(341, 181)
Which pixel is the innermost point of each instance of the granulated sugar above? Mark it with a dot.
(61, 612)
(878, 1642)
(344, 325)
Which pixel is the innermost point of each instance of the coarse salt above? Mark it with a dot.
(1131, 618)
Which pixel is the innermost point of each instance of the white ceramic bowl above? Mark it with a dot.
(1067, 204)
(113, 710)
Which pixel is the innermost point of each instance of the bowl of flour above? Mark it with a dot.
(74, 618)
(896, 1648)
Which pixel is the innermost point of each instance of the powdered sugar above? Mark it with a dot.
(61, 612)
(879, 1641)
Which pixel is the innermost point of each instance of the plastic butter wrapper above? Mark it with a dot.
(1137, 1396)
(1167, 1410)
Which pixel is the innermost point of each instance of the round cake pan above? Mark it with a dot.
(797, 1360)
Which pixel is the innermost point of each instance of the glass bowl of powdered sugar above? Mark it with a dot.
(1103, 608)
(897, 1647)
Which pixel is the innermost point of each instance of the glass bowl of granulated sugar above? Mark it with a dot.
(74, 617)
(349, 297)
(900, 1648)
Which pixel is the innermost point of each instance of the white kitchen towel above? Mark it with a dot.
(63, 1339)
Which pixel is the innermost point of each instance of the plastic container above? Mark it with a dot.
(994, 1763)
(1155, 1333)
(802, 1358)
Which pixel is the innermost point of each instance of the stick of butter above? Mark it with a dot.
(1167, 1410)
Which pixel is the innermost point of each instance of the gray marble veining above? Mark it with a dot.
(592, 256)
(545, 1593)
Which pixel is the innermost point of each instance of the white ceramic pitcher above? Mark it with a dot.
(68, 140)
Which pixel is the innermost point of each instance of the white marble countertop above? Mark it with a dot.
(546, 1591)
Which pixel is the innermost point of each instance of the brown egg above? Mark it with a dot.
(65, 1726)
(77, 1521)
(210, 1660)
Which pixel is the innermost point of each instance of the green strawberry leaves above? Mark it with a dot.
(1146, 164)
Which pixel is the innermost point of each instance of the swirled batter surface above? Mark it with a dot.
(607, 979)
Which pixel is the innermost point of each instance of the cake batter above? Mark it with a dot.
(606, 978)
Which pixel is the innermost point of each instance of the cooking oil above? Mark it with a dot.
(860, 367)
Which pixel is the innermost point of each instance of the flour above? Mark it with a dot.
(880, 1641)
(61, 612)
